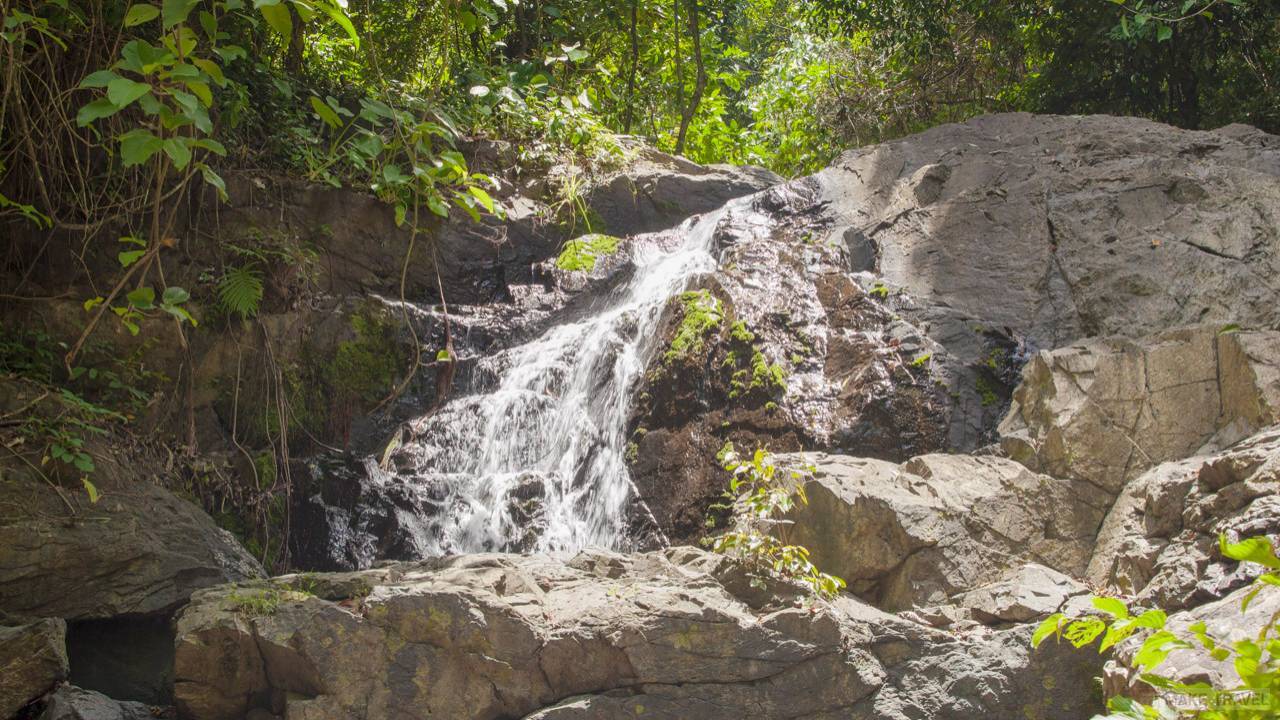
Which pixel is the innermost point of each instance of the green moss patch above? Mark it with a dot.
(702, 316)
(580, 255)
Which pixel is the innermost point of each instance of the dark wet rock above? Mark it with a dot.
(33, 659)
(501, 636)
(655, 191)
(125, 658)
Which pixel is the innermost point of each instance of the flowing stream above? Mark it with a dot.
(537, 463)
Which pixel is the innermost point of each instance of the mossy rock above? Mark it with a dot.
(580, 255)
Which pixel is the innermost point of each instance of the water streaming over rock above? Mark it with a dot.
(537, 462)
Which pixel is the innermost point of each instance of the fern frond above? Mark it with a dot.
(240, 291)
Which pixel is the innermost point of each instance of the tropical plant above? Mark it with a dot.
(1255, 659)
(759, 496)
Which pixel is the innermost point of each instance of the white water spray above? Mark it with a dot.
(550, 438)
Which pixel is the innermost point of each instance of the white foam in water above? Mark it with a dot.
(558, 414)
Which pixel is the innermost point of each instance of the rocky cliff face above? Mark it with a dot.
(1026, 356)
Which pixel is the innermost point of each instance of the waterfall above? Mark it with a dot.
(537, 463)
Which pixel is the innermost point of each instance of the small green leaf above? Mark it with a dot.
(96, 110)
(89, 487)
(123, 91)
(99, 79)
(129, 257)
(178, 151)
(1111, 606)
(176, 11)
(1050, 626)
(200, 90)
(277, 17)
(325, 112)
(174, 295)
(143, 298)
(482, 197)
(1164, 33)
(214, 179)
(140, 13)
(137, 146)
(1254, 549)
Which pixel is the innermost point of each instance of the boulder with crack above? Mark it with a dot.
(924, 531)
(1105, 410)
(33, 659)
(1160, 540)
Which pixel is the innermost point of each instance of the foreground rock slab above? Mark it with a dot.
(675, 634)
(33, 658)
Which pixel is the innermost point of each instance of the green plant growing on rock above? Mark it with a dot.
(702, 315)
(760, 493)
(1255, 659)
(580, 255)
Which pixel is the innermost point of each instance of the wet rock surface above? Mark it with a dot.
(592, 636)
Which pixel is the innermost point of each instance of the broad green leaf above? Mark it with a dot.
(277, 17)
(1111, 606)
(215, 180)
(96, 110)
(140, 13)
(339, 16)
(325, 112)
(211, 145)
(174, 295)
(1164, 33)
(212, 69)
(123, 91)
(482, 197)
(137, 147)
(142, 57)
(178, 151)
(143, 298)
(201, 91)
(129, 257)
(99, 79)
(1050, 626)
(1254, 549)
(176, 11)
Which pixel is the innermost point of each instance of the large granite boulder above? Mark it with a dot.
(1105, 410)
(600, 635)
(1160, 540)
(33, 659)
(923, 532)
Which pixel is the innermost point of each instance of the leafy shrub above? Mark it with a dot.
(760, 493)
(1256, 660)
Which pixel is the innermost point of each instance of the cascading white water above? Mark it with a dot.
(553, 430)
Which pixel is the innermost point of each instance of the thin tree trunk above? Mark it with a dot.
(631, 77)
(700, 83)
